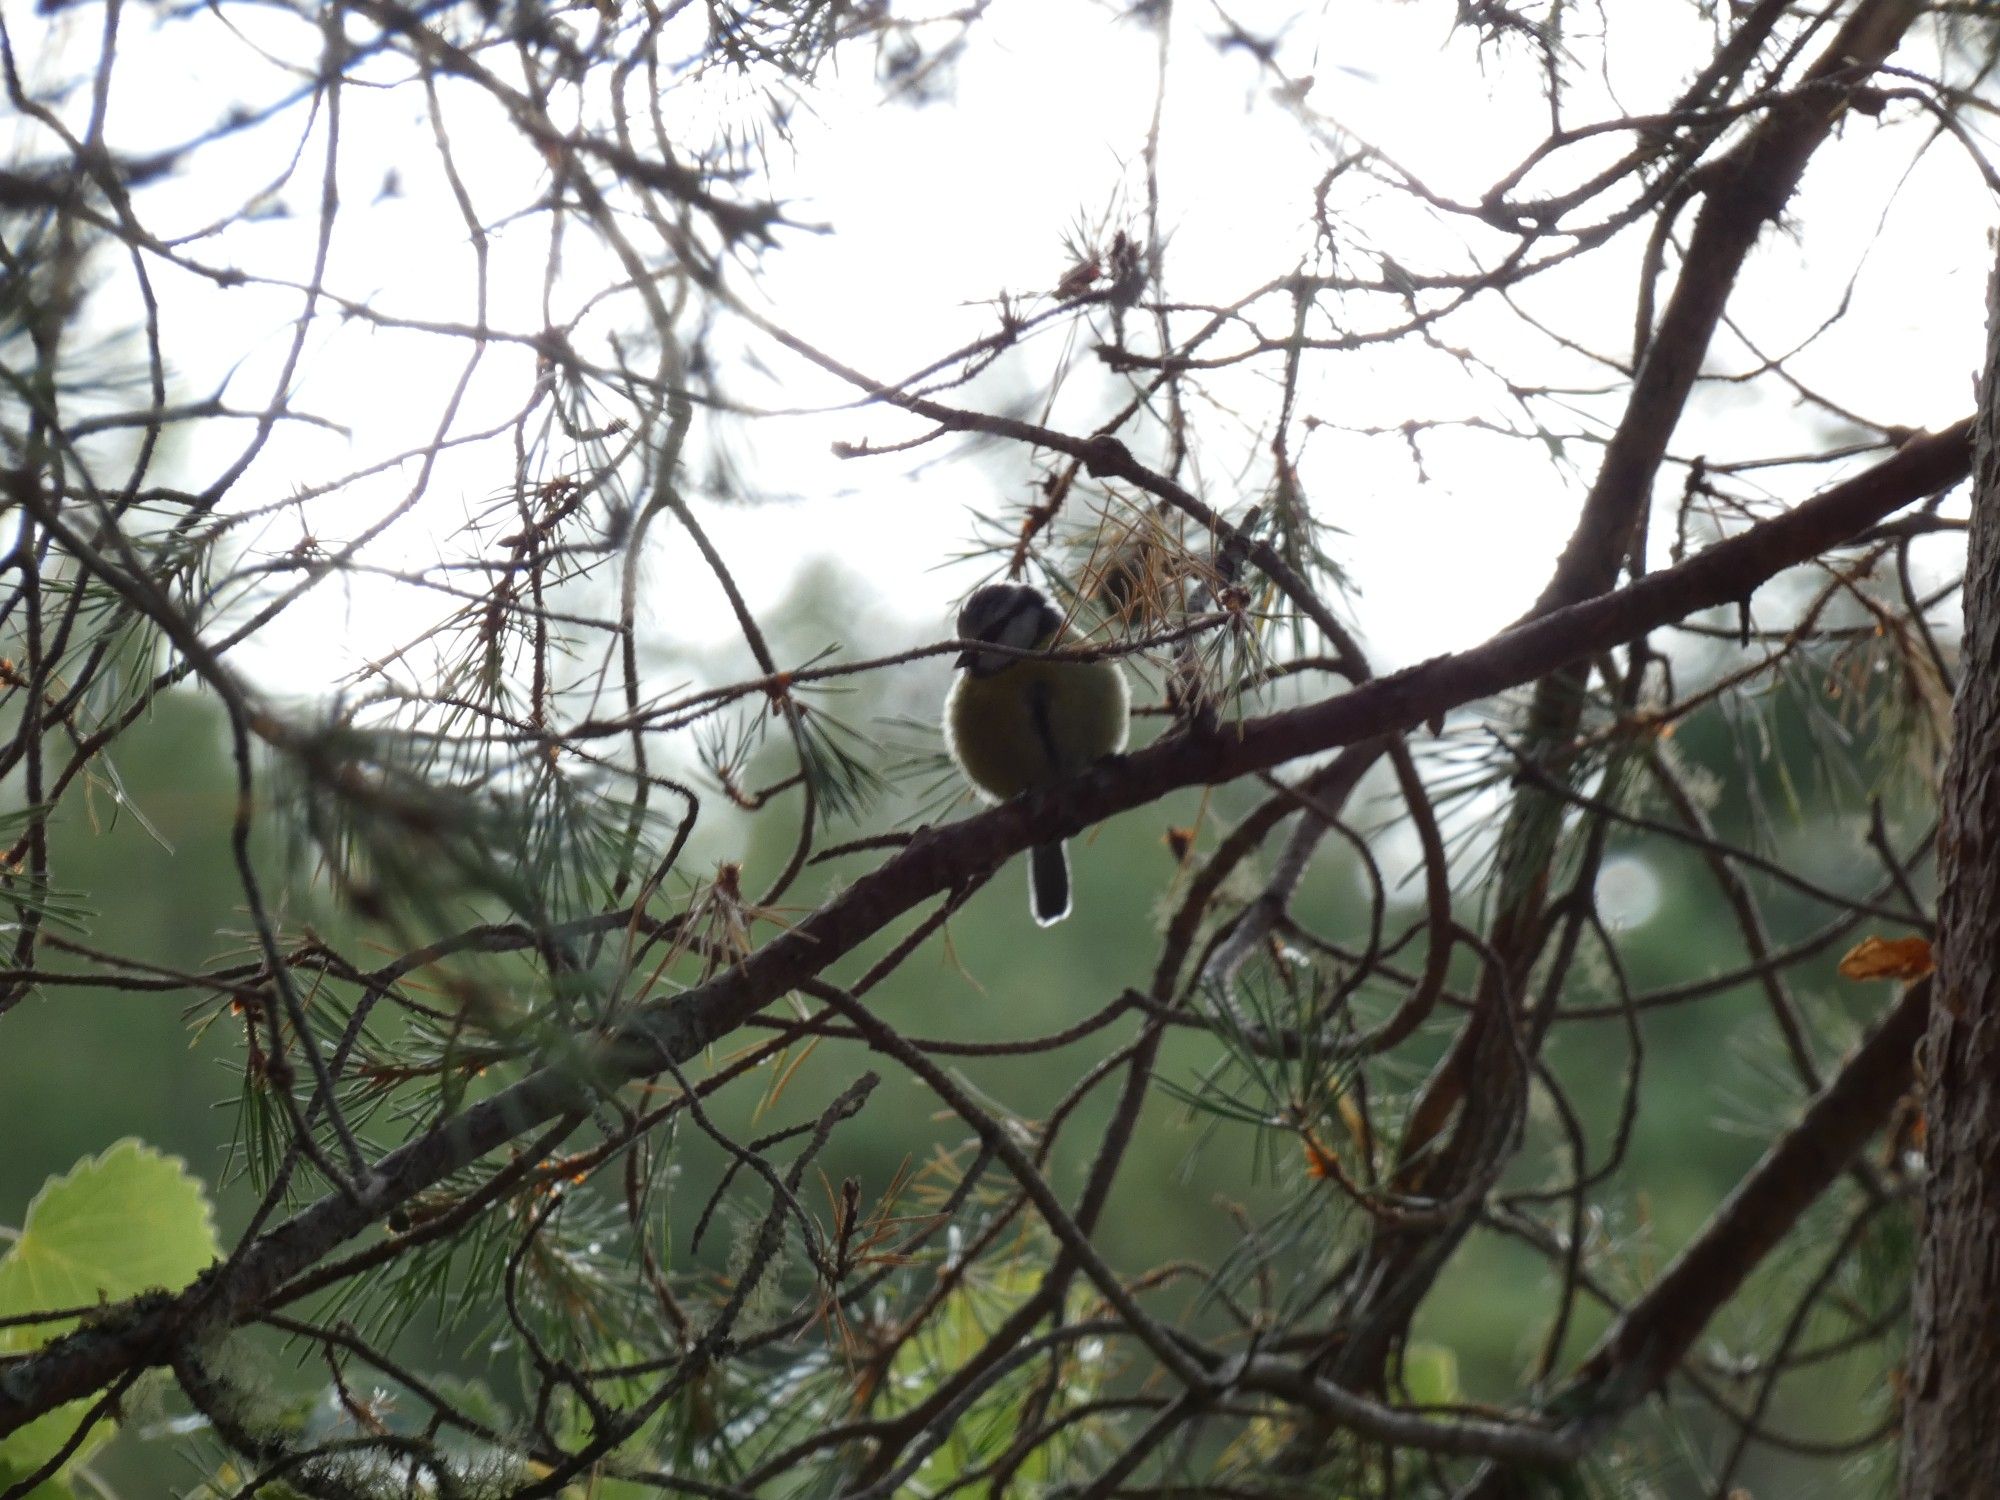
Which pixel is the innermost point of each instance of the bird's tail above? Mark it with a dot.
(1048, 883)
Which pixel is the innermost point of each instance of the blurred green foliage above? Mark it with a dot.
(84, 1068)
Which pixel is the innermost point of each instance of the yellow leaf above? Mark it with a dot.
(1320, 1162)
(1888, 958)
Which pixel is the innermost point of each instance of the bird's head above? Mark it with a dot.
(1006, 614)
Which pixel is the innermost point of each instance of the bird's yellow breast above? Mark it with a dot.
(1034, 722)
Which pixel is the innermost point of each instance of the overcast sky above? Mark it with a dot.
(936, 209)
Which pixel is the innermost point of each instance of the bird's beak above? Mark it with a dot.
(965, 658)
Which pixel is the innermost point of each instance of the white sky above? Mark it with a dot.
(935, 210)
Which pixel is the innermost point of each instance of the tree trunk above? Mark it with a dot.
(1951, 1439)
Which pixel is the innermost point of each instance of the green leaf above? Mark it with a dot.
(48, 1489)
(1430, 1374)
(118, 1224)
(26, 1449)
(122, 1223)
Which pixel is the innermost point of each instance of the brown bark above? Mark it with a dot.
(1951, 1440)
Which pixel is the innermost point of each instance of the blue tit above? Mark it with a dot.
(1013, 723)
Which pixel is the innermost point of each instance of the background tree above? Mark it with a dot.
(633, 1088)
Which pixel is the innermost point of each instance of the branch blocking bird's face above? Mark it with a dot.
(1014, 723)
(1007, 614)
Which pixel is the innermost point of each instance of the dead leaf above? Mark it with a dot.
(1888, 958)
(1320, 1162)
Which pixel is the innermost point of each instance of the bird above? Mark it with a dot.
(1014, 723)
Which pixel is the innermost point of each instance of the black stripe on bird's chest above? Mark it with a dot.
(1041, 716)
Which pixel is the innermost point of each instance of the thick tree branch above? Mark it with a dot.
(1652, 1336)
(1952, 1445)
